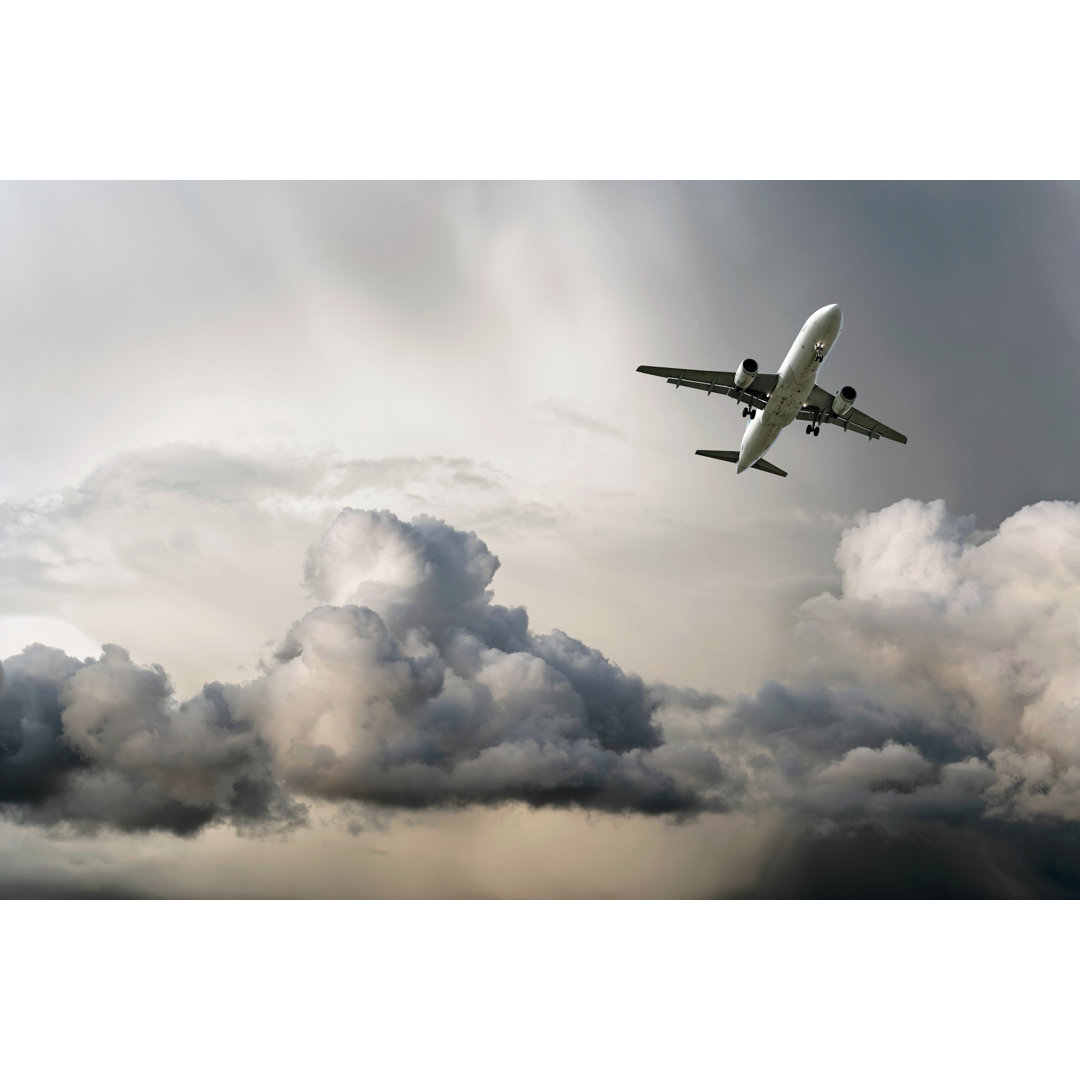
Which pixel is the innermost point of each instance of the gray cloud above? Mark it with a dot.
(369, 315)
(103, 743)
(941, 681)
(407, 687)
(936, 711)
(210, 536)
(927, 860)
(411, 688)
(933, 706)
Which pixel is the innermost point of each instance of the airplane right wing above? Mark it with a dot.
(717, 382)
(853, 420)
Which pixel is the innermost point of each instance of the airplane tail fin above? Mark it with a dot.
(733, 457)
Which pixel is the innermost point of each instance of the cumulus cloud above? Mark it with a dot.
(936, 707)
(213, 537)
(406, 687)
(942, 680)
(935, 703)
(104, 743)
(968, 641)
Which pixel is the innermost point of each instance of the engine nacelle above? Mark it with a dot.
(745, 375)
(843, 401)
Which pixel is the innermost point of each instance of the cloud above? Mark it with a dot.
(933, 708)
(941, 680)
(970, 637)
(936, 709)
(925, 861)
(410, 687)
(191, 552)
(406, 687)
(92, 743)
(200, 497)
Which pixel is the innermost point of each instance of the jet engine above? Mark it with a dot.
(745, 375)
(843, 401)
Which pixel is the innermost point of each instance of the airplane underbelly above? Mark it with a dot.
(798, 374)
(786, 401)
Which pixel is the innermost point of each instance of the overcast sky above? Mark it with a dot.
(199, 379)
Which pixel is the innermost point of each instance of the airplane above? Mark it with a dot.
(791, 394)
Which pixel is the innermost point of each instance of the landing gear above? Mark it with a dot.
(749, 412)
(813, 429)
(819, 352)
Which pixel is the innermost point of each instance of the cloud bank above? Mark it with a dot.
(406, 687)
(934, 710)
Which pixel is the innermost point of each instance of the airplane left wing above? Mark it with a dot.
(717, 382)
(820, 405)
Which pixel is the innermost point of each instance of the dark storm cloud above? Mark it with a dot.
(407, 687)
(43, 888)
(103, 743)
(929, 732)
(411, 688)
(924, 861)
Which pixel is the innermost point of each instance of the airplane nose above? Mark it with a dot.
(835, 316)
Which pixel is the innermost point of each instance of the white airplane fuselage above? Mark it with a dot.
(797, 376)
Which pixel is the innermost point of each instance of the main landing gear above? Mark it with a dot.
(749, 412)
(813, 429)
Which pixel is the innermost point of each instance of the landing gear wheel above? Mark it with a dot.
(746, 411)
(809, 429)
(817, 432)
(753, 413)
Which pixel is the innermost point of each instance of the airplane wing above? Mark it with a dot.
(717, 382)
(821, 402)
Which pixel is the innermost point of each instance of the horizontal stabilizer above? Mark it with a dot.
(733, 457)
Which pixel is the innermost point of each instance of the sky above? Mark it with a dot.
(343, 552)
